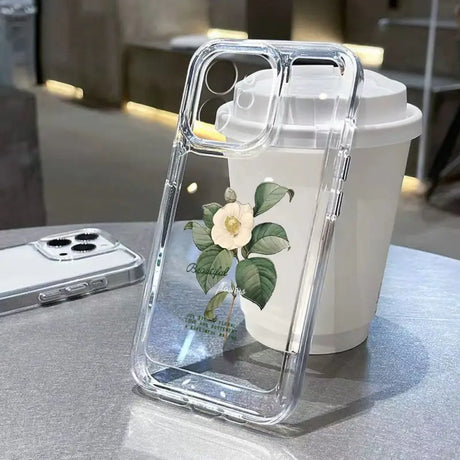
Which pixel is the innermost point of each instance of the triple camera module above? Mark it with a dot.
(85, 242)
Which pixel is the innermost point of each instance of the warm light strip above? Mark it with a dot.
(202, 130)
(227, 33)
(411, 185)
(371, 56)
(207, 131)
(145, 111)
(64, 89)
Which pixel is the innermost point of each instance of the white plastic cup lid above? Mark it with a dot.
(384, 116)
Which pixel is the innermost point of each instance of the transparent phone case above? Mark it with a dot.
(240, 253)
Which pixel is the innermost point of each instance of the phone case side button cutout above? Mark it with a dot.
(77, 289)
(50, 296)
(346, 168)
(99, 283)
(338, 204)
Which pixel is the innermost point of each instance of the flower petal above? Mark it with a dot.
(245, 209)
(219, 217)
(243, 237)
(232, 209)
(247, 220)
(246, 216)
(221, 237)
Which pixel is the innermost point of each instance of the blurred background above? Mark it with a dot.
(90, 90)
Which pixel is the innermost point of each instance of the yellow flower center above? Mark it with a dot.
(233, 225)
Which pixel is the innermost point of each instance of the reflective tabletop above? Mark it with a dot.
(66, 391)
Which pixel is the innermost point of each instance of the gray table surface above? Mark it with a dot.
(66, 391)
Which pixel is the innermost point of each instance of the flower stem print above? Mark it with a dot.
(229, 234)
(230, 310)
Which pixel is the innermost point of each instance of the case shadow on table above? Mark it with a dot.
(390, 363)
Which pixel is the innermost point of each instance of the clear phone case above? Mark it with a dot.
(239, 258)
(65, 266)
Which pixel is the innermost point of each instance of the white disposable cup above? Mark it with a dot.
(386, 125)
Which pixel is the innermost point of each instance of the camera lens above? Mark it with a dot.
(84, 247)
(59, 242)
(87, 237)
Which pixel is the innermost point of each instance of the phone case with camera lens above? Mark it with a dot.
(254, 188)
(64, 266)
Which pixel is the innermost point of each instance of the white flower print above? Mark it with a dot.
(233, 225)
